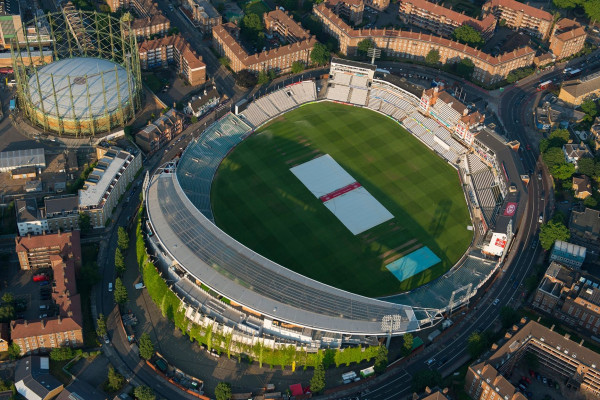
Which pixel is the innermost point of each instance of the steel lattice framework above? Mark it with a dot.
(77, 72)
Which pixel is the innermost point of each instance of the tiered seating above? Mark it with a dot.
(304, 92)
(359, 81)
(255, 115)
(342, 79)
(283, 99)
(202, 158)
(265, 104)
(338, 93)
(358, 96)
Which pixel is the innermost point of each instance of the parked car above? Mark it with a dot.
(44, 283)
(40, 278)
(496, 302)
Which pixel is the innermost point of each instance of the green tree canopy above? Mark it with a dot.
(120, 292)
(317, 382)
(433, 57)
(553, 156)
(119, 262)
(115, 380)
(468, 35)
(224, 61)
(319, 54)
(551, 232)
(263, 78)
(424, 378)
(364, 45)
(8, 298)
(590, 202)
(14, 351)
(146, 346)
(407, 343)
(245, 78)
(85, 224)
(592, 9)
(144, 393)
(566, 3)
(558, 137)
(590, 109)
(381, 359)
(252, 29)
(465, 68)
(223, 391)
(563, 171)
(62, 353)
(297, 67)
(587, 166)
(477, 343)
(122, 238)
(101, 325)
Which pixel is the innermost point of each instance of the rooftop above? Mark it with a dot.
(526, 8)
(582, 87)
(569, 250)
(351, 63)
(22, 158)
(284, 19)
(100, 179)
(58, 205)
(27, 210)
(193, 60)
(32, 376)
(488, 22)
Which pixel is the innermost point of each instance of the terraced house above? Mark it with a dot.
(415, 45)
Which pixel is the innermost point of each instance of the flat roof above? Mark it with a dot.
(22, 158)
(351, 63)
(249, 279)
(92, 194)
(77, 77)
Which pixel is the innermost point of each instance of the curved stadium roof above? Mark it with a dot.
(247, 278)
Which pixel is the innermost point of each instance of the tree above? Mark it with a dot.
(119, 262)
(146, 346)
(563, 171)
(14, 351)
(85, 224)
(364, 45)
(245, 78)
(508, 316)
(120, 292)
(381, 360)
(8, 298)
(424, 378)
(477, 343)
(297, 67)
(62, 353)
(194, 119)
(468, 35)
(592, 9)
(566, 3)
(224, 61)
(317, 382)
(101, 325)
(551, 232)
(263, 78)
(587, 166)
(115, 380)
(553, 156)
(122, 239)
(589, 107)
(558, 137)
(407, 344)
(319, 54)
(223, 391)
(433, 57)
(590, 201)
(7, 313)
(465, 68)
(144, 393)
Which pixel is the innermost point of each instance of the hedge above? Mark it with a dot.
(213, 339)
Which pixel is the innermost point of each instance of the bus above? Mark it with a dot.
(544, 85)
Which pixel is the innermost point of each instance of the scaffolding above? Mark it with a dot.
(84, 102)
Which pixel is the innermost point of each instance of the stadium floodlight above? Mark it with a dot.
(391, 323)
(374, 53)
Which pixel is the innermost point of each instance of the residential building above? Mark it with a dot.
(200, 105)
(202, 15)
(39, 251)
(558, 280)
(595, 130)
(29, 217)
(575, 151)
(441, 20)
(520, 16)
(159, 132)
(544, 60)
(451, 113)
(576, 91)
(568, 254)
(433, 394)
(10, 160)
(66, 329)
(280, 23)
(4, 336)
(33, 379)
(585, 224)
(80, 390)
(582, 186)
(569, 360)
(379, 5)
(154, 25)
(115, 5)
(351, 10)
(226, 42)
(62, 213)
(416, 45)
(173, 50)
(567, 39)
(107, 182)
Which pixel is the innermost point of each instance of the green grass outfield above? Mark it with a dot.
(258, 201)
